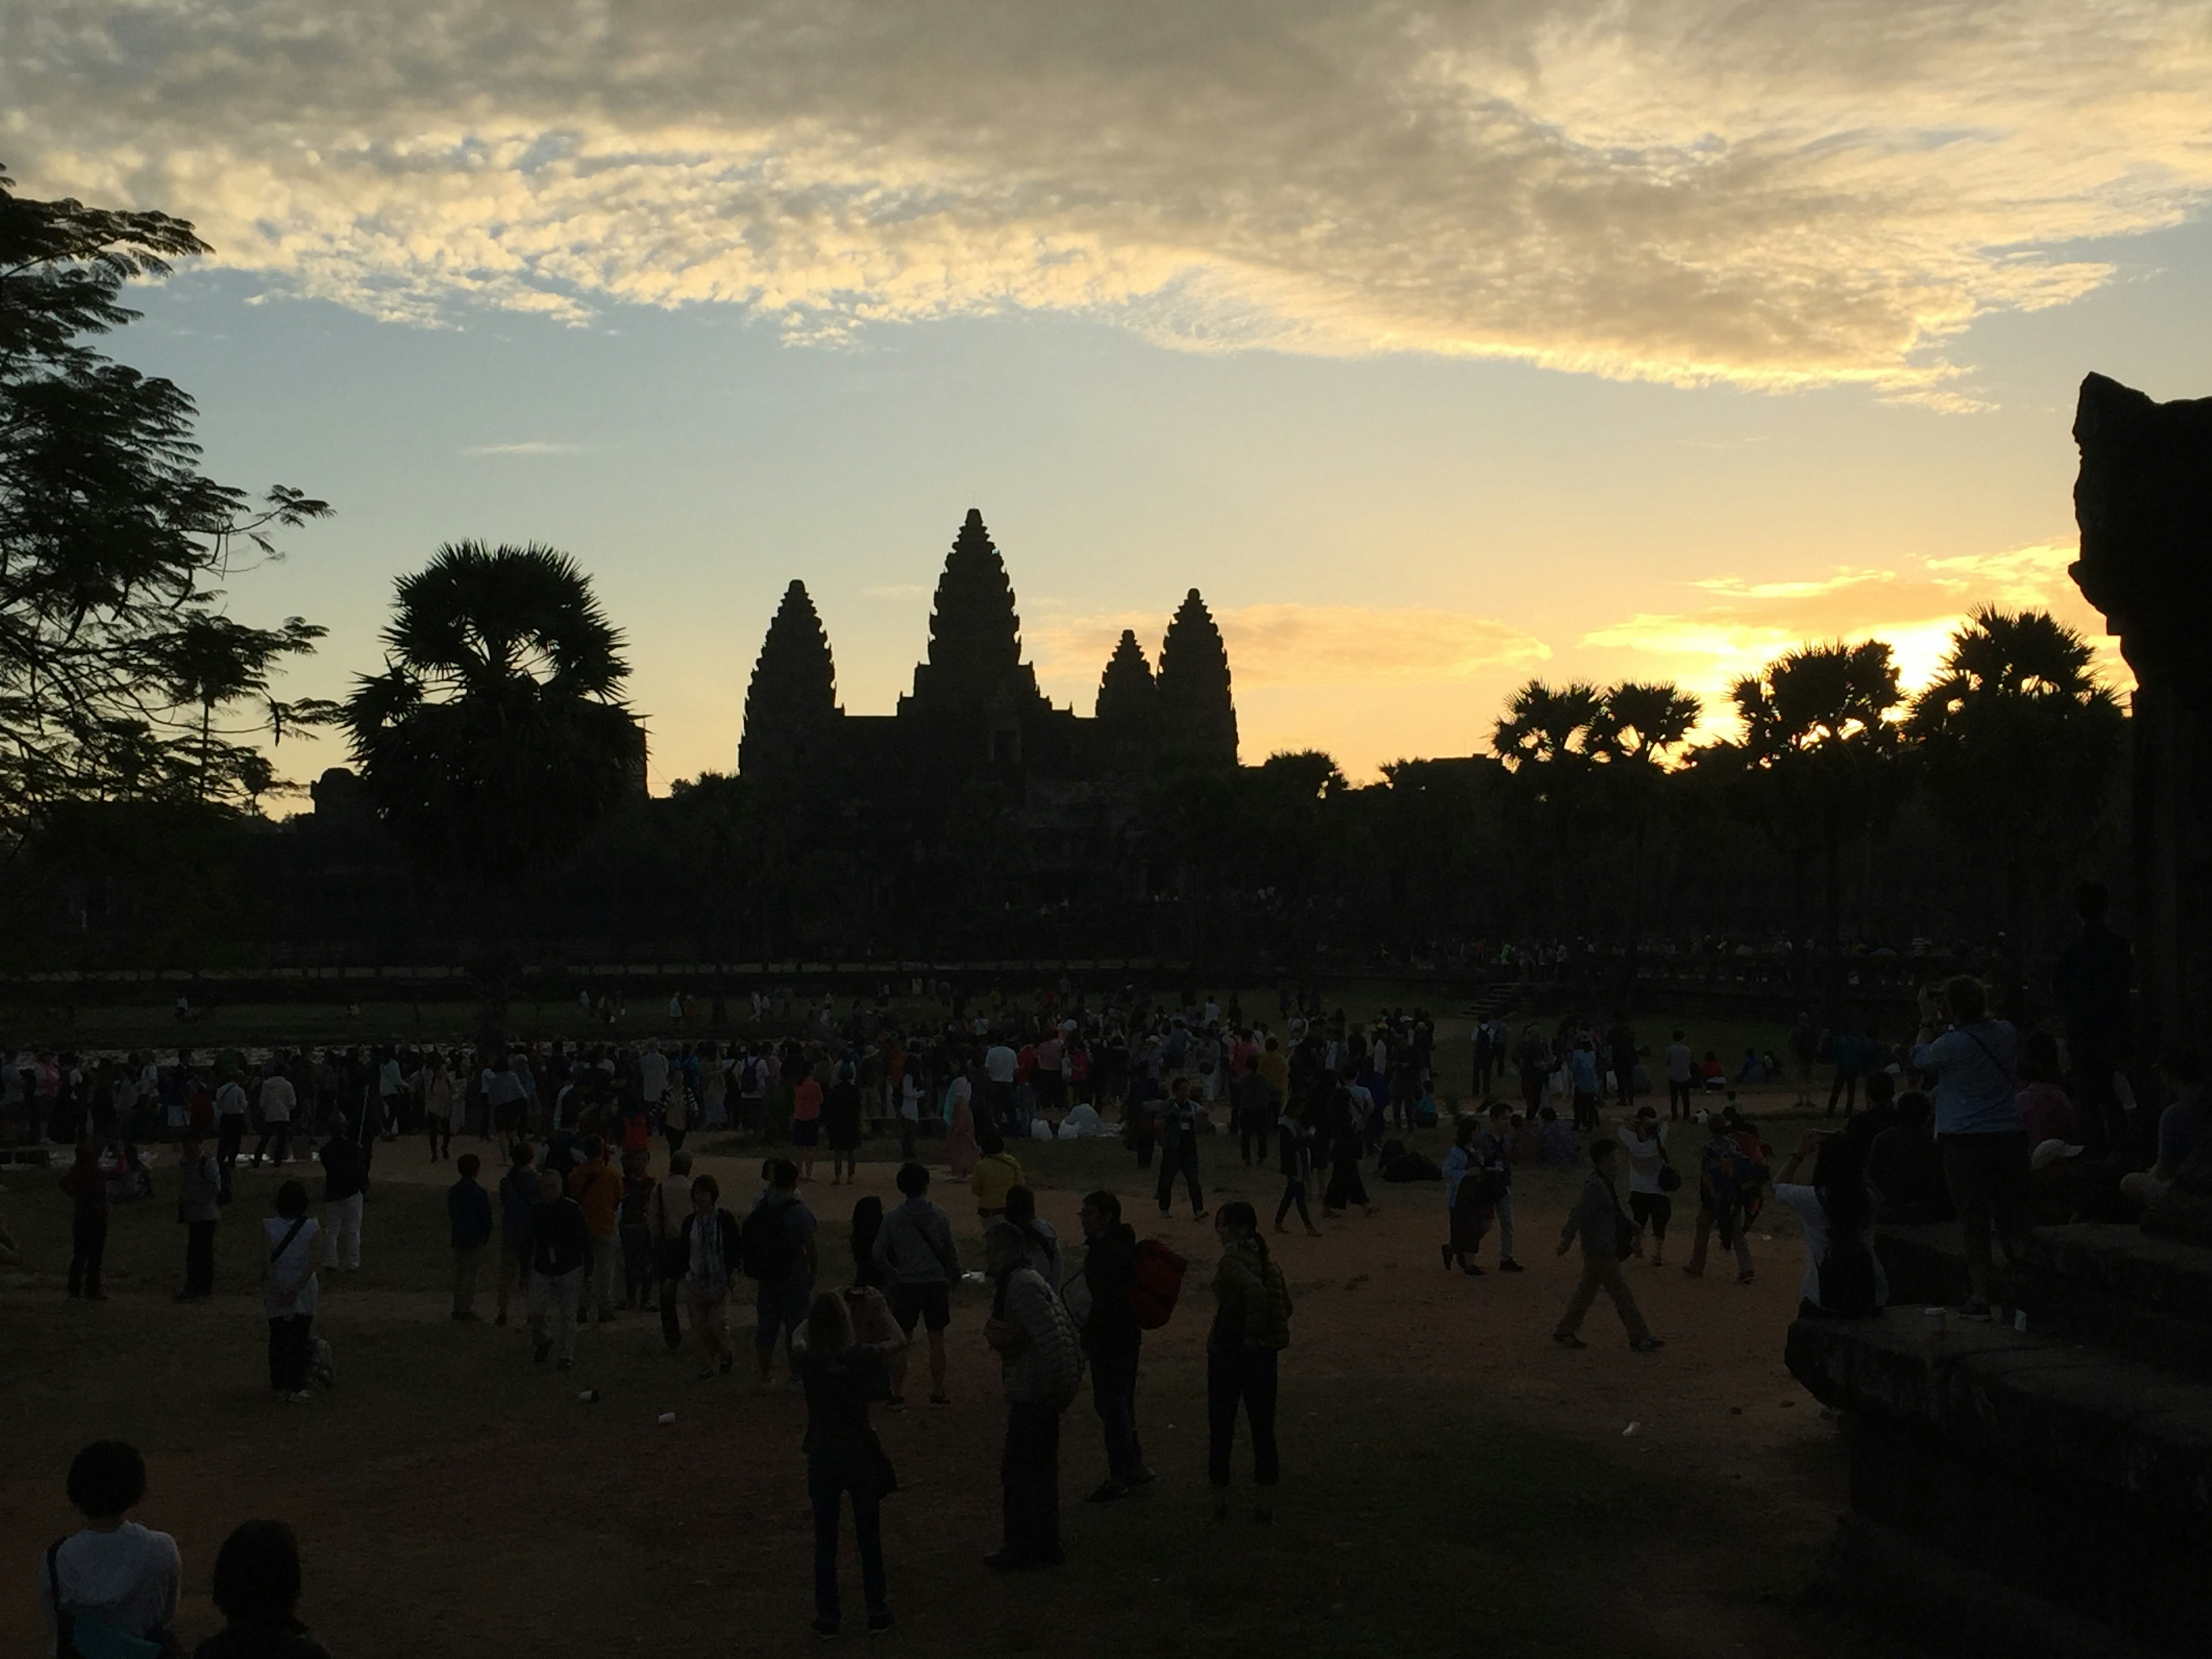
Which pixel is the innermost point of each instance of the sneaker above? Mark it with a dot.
(299, 1396)
(940, 1400)
(1568, 1340)
(824, 1628)
(706, 1373)
(1111, 1492)
(1142, 1477)
(1510, 1265)
(1473, 1271)
(879, 1624)
(895, 1402)
(1975, 1308)
(1199, 1215)
(1743, 1279)
(1647, 1345)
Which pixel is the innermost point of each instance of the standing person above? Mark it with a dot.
(1804, 1053)
(1979, 1127)
(199, 1207)
(436, 1082)
(278, 1102)
(345, 1182)
(256, 1587)
(1645, 1139)
(1681, 1069)
(1113, 1341)
(289, 1291)
(113, 1577)
(1294, 1158)
(916, 1256)
(1727, 1180)
(640, 1271)
(1492, 1158)
(1467, 1216)
(1845, 1054)
(1179, 1150)
(1347, 1184)
(1607, 1237)
(997, 1173)
(517, 1197)
(559, 1246)
(468, 1218)
(712, 1249)
(86, 1183)
(2092, 980)
(1582, 1079)
(1243, 1351)
(231, 1109)
(806, 1119)
(598, 1190)
(666, 1212)
(1042, 1365)
(840, 1376)
(778, 1242)
(962, 1148)
(840, 1126)
(1844, 1277)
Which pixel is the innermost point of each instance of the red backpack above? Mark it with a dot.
(1158, 1283)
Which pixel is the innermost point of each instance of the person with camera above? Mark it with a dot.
(1974, 1062)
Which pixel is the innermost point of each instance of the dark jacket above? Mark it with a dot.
(1110, 1273)
(559, 1242)
(1252, 1301)
(468, 1209)
(1593, 1219)
(343, 1175)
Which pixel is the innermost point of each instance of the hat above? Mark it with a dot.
(2049, 1151)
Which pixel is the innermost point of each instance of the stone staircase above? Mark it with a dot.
(2042, 1494)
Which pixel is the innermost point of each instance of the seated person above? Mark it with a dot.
(2051, 1197)
(2045, 1110)
(1905, 1168)
(1711, 1073)
(1082, 1119)
(1753, 1069)
(2180, 1127)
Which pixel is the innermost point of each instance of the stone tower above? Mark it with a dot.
(791, 707)
(974, 636)
(1126, 695)
(1198, 720)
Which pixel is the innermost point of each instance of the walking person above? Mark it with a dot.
(517, 1197)
(86, 1183)
(435, 1081)
(840, 1376)
(1980, 1129)
(1243, 1354)
(713, 1247)
(279, 1100)
(468, 1218)
(345, 1186)
(1727, 1180)
(1042, 1365)
(1650, 1202)
(597, 1187)
(113, 1585)
(1608, 1237)
(199, 1207)
(231, 1109)
(915, 1255)
(1294, 1138)
(289, 1291)
(778, 1243)
(1112, 1340)
(666, 1212)
(1347, 1184)
(1493, 1156)
(640, 1270)
(1468, 1216)
(559, 1246)
(1178, 1119)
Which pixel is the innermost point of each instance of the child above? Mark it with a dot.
(288, 1290)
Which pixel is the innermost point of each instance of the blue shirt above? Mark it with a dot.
(1977, 1092)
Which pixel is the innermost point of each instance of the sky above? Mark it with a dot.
(1439, 346)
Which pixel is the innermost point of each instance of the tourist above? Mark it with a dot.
(345, 1185)
(468, 1215)
(1042, 1364)
(667, 1210)
(517, 1197)
(1682, 1074)
(1904, 1167)
(778, 1253)
(996, 1172)
(1493, 1157)
(840, 1126)
(1467, 1217)
(1294, 1139)
(1583, 1080)
(914, 1253)
(1847, 1059)
(1650, 1203)
(231, 1111)
(278, 1099)
(2045, 1113)
(713, 1248)
(1178, 1118)
(1804, 1053)
(597, 1187)
(257, 1588)
(199, 1207)
(1113, 1341)
(1243, 1351)
(112, 1581)
(435, 1082)
(559, 1249)
(1844, 1277)
(1728, 1181)
(2092, 980)
(86, 1183)
(1608, 1237)
(1979, 1126)
(2181, 1126)
(635, 1230)
(806, 1119)
(840, 1376)
(290, 1292)
(1555, 1141)
(1347, 1186)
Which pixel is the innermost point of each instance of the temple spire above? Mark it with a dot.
(974, 636)
(1198, 717)
(792, 699)
(1126, 690)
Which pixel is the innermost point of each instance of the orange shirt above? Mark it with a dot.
(597, 1189)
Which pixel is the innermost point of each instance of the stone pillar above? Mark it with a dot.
(2143, 501)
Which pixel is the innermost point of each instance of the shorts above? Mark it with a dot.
(1650, 1210)
(805, 1131)
(930, 1303)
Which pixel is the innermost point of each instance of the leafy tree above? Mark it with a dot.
(2018, 743)
(1547, 738)
(117, 662)
(1640, 726)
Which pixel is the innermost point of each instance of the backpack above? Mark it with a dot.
(1848, 1288)
(764, 1243)
(1155, 1283)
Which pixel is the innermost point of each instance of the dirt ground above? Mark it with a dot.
(1453, 1482)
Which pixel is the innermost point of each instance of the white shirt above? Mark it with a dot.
(998, 1064)
(1645, 1158)
(278, 1099)
(283, 1269)
(230, 1100)
(128, 1578)
(1678, 1063)
(1810, 1211)
(652, 1076)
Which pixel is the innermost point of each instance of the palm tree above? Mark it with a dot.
(1640, 726)
(1547, 739)
(2017, 740)
(495, 738)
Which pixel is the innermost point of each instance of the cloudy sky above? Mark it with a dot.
(1439, 345)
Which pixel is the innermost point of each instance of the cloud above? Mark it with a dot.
(1770, 194)
(1299, 646)
(532, 446)
(1742, 626)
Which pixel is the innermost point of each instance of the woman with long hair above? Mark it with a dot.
(1844, 1277)
(1251, 1328)
(843, 1456)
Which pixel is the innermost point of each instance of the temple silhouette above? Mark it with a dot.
(977, 766)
